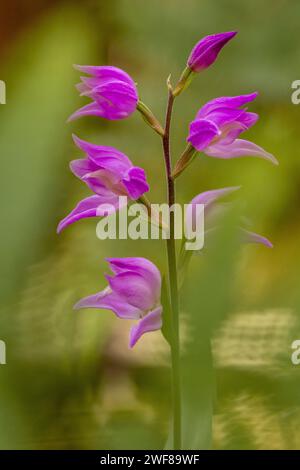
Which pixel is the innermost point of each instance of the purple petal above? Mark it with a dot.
(93, 150)
(107, 109)
(104, 183)
(135, 182)
(109, 301)
(202, 132)
(151, 322)
(249, 119)
(111, 205)
(142, 266)
(227, 101)
(87, 84)
(105, 72)
(231, 131)
(82, 87)
(252, 237)
(91, 109)
(117, 100)
(239, 148)
(82, 166)
(115, 92)
(207, 198)
(90, 207)
(225, 115)
(103, 156)
(118, 166)
(206, 51)
(134, 289)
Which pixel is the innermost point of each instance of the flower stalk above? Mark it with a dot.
(184, 81)
(173, 281)
(149, 118)
(184, 161)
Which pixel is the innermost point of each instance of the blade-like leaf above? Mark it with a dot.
(206, 302)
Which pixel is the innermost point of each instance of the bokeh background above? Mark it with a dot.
(70, 381)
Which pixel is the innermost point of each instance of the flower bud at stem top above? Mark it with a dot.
(149, 117)
(184, 161)
(184, 81)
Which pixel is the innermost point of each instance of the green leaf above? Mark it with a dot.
(206, 302)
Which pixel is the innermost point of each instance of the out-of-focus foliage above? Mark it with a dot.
(70, 380)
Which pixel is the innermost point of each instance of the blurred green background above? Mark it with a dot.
(70, 381)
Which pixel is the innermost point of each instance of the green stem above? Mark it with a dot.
(173, 283)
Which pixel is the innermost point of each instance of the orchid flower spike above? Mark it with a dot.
(133, 293)
(112, 91)
(109, 174)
